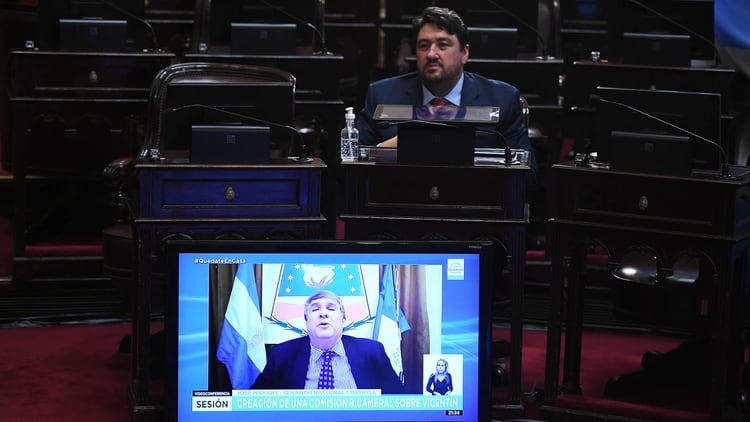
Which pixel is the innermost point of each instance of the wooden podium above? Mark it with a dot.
(439, 202)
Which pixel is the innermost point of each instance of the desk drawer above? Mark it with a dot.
(230, 193)
(461, 192)
(665, 203)
(81, 74)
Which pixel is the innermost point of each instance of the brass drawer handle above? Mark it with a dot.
(93, 77)
(434, 193)
(230, 194)
(643, 203)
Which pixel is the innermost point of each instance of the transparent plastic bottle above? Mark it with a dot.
(349, 137)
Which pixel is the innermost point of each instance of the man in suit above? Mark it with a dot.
(325, 358)
(442, 50)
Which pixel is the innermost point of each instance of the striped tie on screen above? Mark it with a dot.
(325, 382)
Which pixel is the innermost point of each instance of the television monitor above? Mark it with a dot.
(423, 300)
(504, 14)
(224, 12)
(693, 18)
(493, 42)
(656, 49)
(650, 153)
(696, 112)
(93, 35)
(208, 103)
(51, 12)
(264, 38)
(230, 144)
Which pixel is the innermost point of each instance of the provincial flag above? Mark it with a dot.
(297, 282)
(390, 321)
(241, 347)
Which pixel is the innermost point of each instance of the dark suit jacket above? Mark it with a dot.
(477, 91)
(286, 367)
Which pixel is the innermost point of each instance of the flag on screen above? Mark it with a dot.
(390, 321)
(241, 347)
(300, 281)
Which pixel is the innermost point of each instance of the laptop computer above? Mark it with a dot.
(656, 49)
(651, 153)
(264, 38)
(93, 34)
(230, 144)
(493, 43)
(424, 142)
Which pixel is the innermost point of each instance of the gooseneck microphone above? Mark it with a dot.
(545, 54)
(596, 100)
(302, 148)
(681, 26)
(154, 43)
(320, 35)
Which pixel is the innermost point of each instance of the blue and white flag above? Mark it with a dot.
(390, 322)
(241, 347)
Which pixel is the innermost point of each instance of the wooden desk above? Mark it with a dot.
(72, 113)
(317, 102)
(180, 200)
(705, 216)
(392, 201)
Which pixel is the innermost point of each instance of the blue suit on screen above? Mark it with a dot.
(287, 363)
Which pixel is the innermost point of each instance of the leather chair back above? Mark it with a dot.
(221, 74)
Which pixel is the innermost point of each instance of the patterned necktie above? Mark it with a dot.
(437, 101)
(325, 381)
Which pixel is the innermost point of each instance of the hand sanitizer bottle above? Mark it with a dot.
(349, 138)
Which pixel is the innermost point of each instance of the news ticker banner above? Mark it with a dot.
(301, 400)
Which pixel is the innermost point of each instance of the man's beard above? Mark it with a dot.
(433, 78)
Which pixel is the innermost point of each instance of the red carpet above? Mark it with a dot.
(63, 373)
(74, 372)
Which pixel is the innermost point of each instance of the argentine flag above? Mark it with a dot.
(241, 347)
(390, 322)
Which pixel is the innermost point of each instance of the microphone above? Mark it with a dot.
(681, 26)
(154, 43)
(302, 154)
(545, 54)
(323, 47)
(725, 173)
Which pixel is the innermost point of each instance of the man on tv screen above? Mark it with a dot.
(327, 359)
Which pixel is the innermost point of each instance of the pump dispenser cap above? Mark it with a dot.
(349, 113)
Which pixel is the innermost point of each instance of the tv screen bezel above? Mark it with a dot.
(488, 256)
